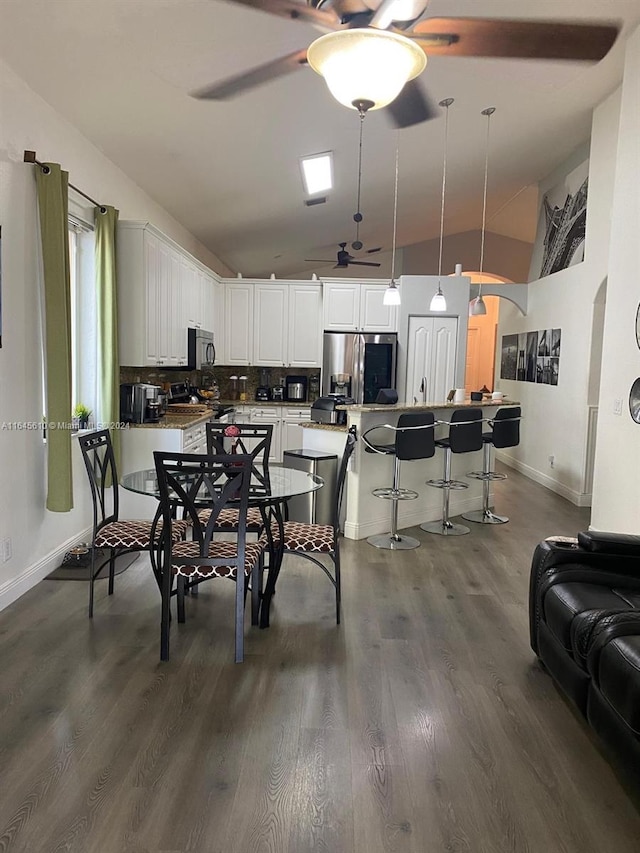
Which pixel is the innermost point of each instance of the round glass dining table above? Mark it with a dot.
(280, 485)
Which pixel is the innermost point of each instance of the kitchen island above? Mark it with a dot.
(366, 515)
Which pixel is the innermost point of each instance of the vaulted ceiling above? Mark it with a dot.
(121, 71)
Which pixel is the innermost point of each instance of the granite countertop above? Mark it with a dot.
(265, 403)
(417, 407)
(332, 427)
(176, 422)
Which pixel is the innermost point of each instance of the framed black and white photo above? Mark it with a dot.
(508, 363)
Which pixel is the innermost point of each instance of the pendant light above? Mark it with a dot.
(477, 306)
(439, 303)
(392, 294)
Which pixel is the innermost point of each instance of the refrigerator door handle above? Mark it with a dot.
(358, 370)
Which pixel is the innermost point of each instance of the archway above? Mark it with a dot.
(482, 331)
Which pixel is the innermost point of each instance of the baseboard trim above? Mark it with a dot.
(12, 589)
(574, 497)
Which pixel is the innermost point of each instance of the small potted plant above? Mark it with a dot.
(82, 413)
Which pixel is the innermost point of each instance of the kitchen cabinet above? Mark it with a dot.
(291, 436)
(304, 347)
(358, 306)
(431, 353)
(238, 314)
(272, 324)
(287, 435)
(161, 293)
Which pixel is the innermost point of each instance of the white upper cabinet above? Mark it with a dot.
(270, 324)
(160, 295)
(238, 326)
(357, 306)
(305, 325)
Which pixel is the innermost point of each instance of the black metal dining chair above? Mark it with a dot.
(185, 483)
(313, 541)
(256, 442)
(110, 532)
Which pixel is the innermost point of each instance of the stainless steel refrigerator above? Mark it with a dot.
(358, 364)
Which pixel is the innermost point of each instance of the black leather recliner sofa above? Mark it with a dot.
(584, 619)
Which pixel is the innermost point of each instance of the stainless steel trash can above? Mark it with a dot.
(316, 507)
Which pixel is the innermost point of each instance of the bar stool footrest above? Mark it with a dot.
(447, 484)
(395, 494)
(486, 475)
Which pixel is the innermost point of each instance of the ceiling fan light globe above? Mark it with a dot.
(366, 65)
(438, 303)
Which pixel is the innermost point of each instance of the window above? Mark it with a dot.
(84, 341)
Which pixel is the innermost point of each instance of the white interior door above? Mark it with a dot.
(431, 354)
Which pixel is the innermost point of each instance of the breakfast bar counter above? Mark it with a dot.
(366, 515)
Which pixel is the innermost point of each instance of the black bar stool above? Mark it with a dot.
(505, 432)
(414, 439)
(465, 436)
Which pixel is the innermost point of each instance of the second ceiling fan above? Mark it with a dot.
(477, 37)
(344, 259)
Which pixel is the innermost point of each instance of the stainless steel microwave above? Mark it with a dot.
(201, 351)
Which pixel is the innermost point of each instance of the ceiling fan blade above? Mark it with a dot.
(250, 79)
(411, 106)
(362, 264)
(319, 260)
(513, 38)
(371, 251)
(296, 11)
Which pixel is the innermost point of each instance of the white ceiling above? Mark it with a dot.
(121, 70)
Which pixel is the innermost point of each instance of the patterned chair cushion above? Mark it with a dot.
(307, 538)
(253, 553)
(135, 534)
(228, 519)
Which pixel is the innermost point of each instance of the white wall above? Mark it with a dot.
(40, 538)
(616, 489)
(556, 417)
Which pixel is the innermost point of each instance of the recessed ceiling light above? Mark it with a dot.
(317, 173)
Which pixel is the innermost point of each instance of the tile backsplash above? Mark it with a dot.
(220, 373)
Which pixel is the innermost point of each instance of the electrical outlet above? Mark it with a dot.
(552, 459)
(6, 549)
(617, 407)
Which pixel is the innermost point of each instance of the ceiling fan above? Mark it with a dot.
(436, 36)
(345, 259)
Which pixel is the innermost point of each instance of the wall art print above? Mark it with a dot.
(560, 234)
(532, 356)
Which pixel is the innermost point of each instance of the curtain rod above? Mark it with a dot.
(30, 157)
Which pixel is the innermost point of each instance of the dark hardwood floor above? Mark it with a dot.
(422, 724)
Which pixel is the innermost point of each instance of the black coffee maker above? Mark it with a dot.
(263, 391)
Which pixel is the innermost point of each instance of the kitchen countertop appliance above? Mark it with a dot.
(324, 411)
(358, 365)
(296, 389)
(263, 391)
(140, 403)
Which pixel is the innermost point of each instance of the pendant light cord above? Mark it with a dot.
(395, 213)
(446, 103)
(488, 113)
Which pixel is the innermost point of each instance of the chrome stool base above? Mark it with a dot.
(389, 542)
(445, 528)
(485, 516)
(395, 494)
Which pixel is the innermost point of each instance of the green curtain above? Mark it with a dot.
(52, 189)
(106, 220)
